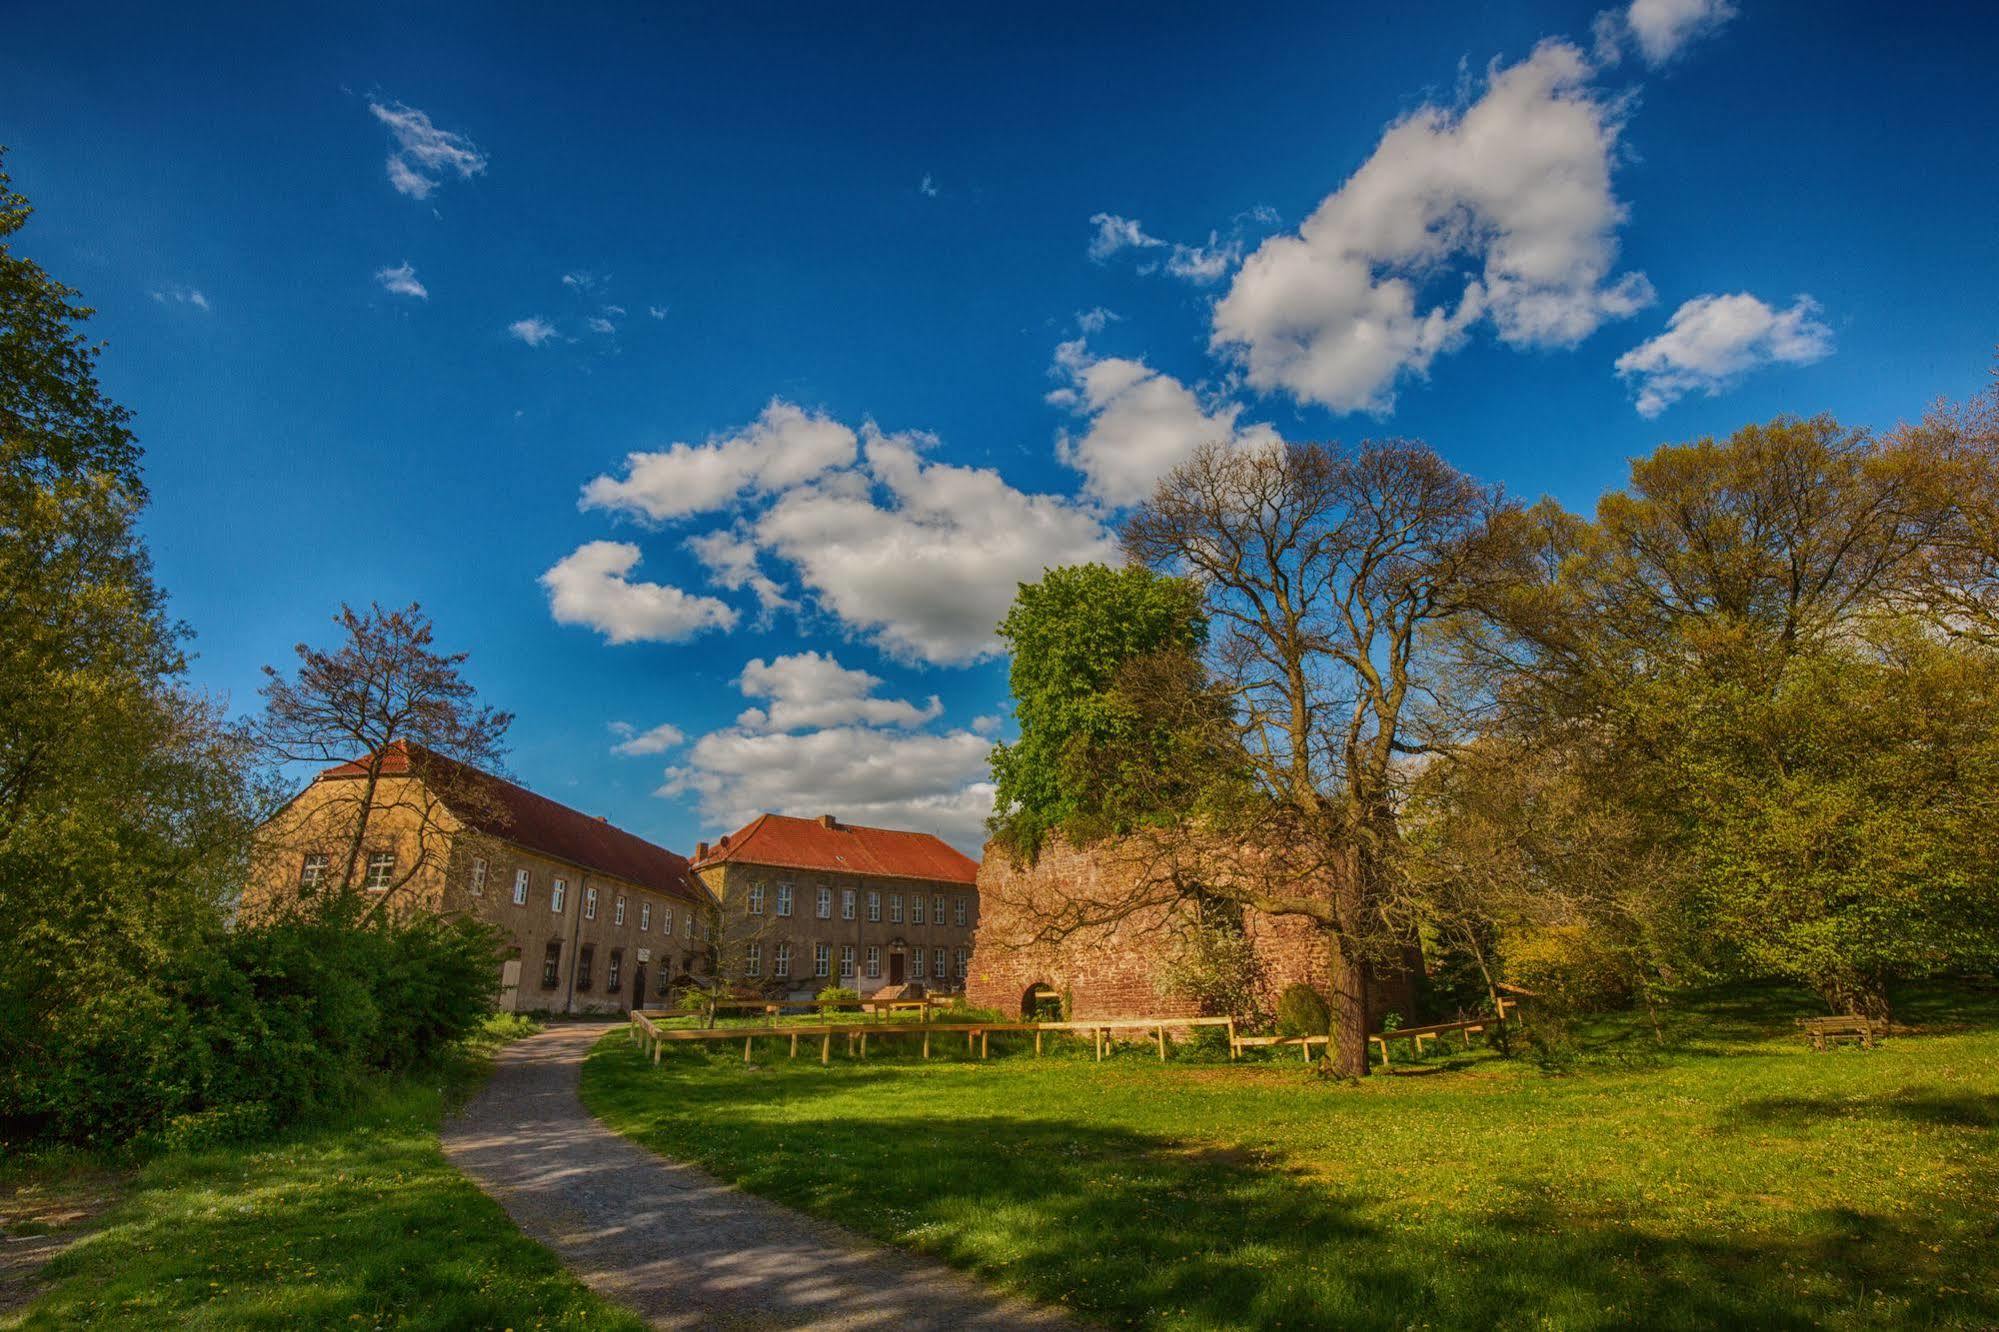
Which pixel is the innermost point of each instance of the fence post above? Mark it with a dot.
(1234, 1049)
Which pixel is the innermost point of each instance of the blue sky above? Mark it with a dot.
(881, 308)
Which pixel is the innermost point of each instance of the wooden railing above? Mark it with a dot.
(653, 1037)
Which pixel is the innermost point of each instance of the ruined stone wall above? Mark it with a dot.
(1117, 969)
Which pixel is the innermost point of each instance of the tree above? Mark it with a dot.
(1269, 754)
(403, 715)
(1073, 637)
(124, 803)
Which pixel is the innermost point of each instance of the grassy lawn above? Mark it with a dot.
(1738, 1180)
(359, 1223)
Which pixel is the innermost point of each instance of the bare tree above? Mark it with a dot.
(1322, 569)
(413, 738)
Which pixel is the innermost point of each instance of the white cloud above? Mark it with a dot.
(656, 311)
(617, 310)
(924, 557)
(182, 296)
(731, 559)
(784, 446)
(402, 281)
(928, 188)
(424, 154)
(1200, 264)
(1142, 423)
(590, 587)
(1516, 185)
(580, 280)
(533, 331)
(930, 783)
(1659, 28)
(1712, 341)
(1116, 233)
(807, 691)
(1096, 319)
(597, 325)
(635, 742)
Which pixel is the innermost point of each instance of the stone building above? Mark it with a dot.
(1118, 968)
(595, 919)
(808, 903)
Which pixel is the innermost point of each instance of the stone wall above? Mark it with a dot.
(1116, 969)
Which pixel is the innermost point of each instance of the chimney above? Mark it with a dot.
(700, 850)
(828, 821)
(603, 818)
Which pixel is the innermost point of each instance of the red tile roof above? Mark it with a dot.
(515, 814)
(845, 848)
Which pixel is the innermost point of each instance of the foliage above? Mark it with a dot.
(1737, 1181)
(360, 1222)
(1302, 1011)
(837, 994)
(1071, 635)
(1215, 964)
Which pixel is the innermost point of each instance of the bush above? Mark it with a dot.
(836, 994)
(1302, 1011)
(251, 1029)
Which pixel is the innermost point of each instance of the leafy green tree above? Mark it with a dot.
(1077, 639)
(123, 797)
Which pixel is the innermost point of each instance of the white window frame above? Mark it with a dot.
(916, 916)
(521, 881)
(964, 963)
(958, 912)
(478, 884)
(846, 904)
(385, 861)
(874, 907)
(780, 963)
(784, 899)
(312, 870)
(687, 925)
(557, 890)
(874, 962)
(937, 903)
(618, 910)
(825, 902)
(753, 959)
(666, 921)
(942, 971)
(895, 908)
(589, 902)
(822, 960)
(917, 971)
(846, 961)
(645, 916)
(756, 899)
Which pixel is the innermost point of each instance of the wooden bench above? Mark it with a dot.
(1826, 1032)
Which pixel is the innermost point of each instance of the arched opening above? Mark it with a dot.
(1041, 1002)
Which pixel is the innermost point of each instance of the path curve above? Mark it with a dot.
(672, 1242)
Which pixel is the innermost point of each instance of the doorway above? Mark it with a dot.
(639, 986)
(895, 966)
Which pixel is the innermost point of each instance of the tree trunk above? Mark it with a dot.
(1857, 995)
(1351, 978)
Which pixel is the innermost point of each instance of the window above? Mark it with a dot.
(645, 915)
(707, 928)
(551, 963)
(617, 969)
(584, 957)
(874, 962)
(780, 962)
(822, 959)
(874, 907)
(557, 890)
(846, 904)
(964, 956)
(520, 887)
(687, 925)
(846, 962)
(937, 908)
(916, 964)
(618, 910)
(756, 900)
(311, 873)
(825, 902)
(478, 884)
(916, 908)
(381, 869)
(895, 908)
(666, 921)
(753, 959)
(589, 902)
(958, 913)
(939, 970)
(784, 899)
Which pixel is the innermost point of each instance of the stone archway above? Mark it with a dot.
(1041, 1002)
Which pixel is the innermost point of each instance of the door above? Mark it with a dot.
(895, 968)
(639, 986)
(510, 984)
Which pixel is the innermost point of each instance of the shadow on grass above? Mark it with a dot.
(1941, 1109)
(1149, 1229)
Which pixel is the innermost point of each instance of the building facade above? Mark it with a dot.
(811, 903)
(595, 919)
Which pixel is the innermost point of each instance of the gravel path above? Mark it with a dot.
(672, 1242)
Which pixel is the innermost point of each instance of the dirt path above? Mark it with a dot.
(672, 1242)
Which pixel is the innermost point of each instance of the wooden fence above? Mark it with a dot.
(647, 1031)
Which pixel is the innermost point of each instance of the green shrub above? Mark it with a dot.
(1302, 1011)
(833, 995)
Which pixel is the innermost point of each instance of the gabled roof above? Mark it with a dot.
(515, 814)
(826, 844)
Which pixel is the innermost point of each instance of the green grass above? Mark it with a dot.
(1736, 1180)
(359, 1223)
